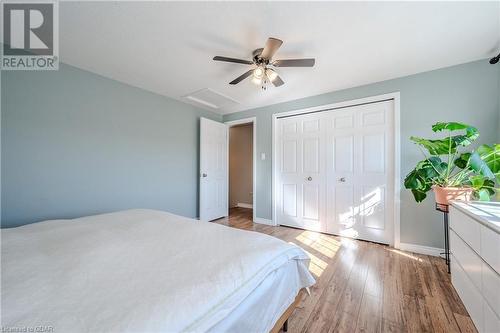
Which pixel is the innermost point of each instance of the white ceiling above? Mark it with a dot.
(167, 47)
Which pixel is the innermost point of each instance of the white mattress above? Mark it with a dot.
(145, 271)
(262, 308)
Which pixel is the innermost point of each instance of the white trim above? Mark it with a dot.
(260, 220)
(396, 97)
(397, 170)
(430, 251)
(273, 166)
(252, 120)
(244, 205)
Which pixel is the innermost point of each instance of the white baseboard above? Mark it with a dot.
(430, 251)
(263, 221)
(244, 205)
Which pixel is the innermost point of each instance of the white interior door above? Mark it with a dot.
(301, 165)
(335, 171)
(361, 172)
(213, 170)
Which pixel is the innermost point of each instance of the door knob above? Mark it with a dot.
(204, 175)
(309, 178)
(342, 179)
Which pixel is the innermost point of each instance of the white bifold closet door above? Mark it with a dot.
(335, 171)
(301, 172)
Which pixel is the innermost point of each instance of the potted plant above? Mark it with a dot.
(454, 174)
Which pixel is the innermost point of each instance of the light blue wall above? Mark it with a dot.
(466, 93)
(75, 143)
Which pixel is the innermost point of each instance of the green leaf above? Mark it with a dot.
(491, 156)
(451, 126)
(464, 140)
(438, 165)
(489, 185)
(426, 173)
(483, 195)
(477, 181)
(412, 180)
(478, 165)
(471, 133)
(418, 195)
(437, 147)
(462, 160)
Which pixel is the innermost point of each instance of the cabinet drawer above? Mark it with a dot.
(471, 263)
(491, 288)
(490, 248)
(491, 321)
(468, 293)
(467, 228)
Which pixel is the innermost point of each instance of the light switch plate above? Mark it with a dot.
(263, 156)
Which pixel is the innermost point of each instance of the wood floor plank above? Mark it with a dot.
(366, 287)
(442, 316)
(391, 327)
(465, 323)
(321, 319)
(417, 318)
(343, 322)
(370, 315)
(393, 303)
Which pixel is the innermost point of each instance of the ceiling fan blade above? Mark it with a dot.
(294, 63)
(274, 77)
(238, 61)
(272, 45)
(242, 77)
(278, 81)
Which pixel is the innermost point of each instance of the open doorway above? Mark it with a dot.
(241, 168)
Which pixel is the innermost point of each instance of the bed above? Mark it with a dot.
(147, 271)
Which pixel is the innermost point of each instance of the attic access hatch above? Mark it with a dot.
(210, 98)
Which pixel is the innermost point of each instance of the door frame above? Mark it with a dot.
(253, 121)
(396, 97)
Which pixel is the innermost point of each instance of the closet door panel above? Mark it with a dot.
(301, 190)
(359, 172)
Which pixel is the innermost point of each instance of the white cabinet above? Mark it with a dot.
(490, 247)
(475, 261)
(470, 296)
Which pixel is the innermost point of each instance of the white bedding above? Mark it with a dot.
(260, 310)
(137, 270)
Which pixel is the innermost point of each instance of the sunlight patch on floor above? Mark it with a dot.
(407, 255)
(324, 247)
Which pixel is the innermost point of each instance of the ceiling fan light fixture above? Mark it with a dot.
(256, 80)
(271, 75)
(258, 73)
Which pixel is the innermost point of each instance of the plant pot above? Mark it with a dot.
(445, 194)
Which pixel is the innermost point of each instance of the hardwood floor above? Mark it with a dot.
(366, 287)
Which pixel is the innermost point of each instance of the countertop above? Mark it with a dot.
(486, 213)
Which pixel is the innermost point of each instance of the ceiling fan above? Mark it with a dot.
(263, 64)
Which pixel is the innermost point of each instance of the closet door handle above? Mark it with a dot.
(342, 179)
(204, 175)
(309, 178)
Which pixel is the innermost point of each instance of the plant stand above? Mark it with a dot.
(445, 209)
